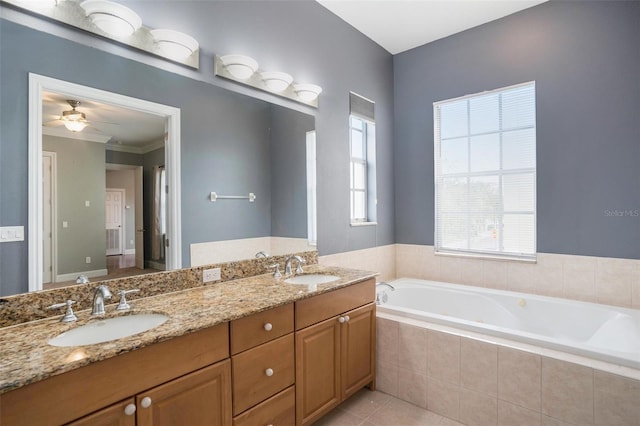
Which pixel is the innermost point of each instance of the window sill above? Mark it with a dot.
(355, 224)
(481, 256)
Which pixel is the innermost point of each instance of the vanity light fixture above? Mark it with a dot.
(276, 81)
(307, 92)
(174, 44)
(112, 18)
(240, 66)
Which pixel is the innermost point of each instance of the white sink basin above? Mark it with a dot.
(108, 329)
(311, 279)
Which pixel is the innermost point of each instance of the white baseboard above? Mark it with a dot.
(130, 251)
(74, 275)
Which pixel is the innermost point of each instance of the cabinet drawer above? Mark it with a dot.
(262, 327)
(261, 372)
(319, 308)
(279, 410)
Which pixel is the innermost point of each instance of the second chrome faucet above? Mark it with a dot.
(101, 293)
(287, 265)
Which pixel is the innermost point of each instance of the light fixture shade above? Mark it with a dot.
(75, 126)
(112, 18)
(240, 66)
(174, 44)
(307, 92)
(276, 81)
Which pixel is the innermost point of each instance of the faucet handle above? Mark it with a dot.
(276, 270)
(123, 305)
(69, 316)
(300, 262)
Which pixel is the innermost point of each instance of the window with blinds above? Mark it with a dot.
(362, 132)
(485, 173)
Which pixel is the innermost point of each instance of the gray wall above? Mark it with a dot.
(289, 172)
(80, 178)
(585, 59)
(302, 38)
(125, 179)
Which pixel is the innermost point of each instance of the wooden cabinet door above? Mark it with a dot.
(317, 370)
(200, 398)
(357, 347)
(114, 415)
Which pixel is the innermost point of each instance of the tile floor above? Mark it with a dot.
(368, 408)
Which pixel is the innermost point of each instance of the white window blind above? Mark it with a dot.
(485, 173)
(362, 165)
(312, 215)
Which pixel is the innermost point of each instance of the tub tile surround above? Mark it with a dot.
(382, 259)
(500, 385)
(591, 279)
(235, 250)
(33, 306)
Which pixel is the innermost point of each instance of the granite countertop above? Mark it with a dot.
(25, 356)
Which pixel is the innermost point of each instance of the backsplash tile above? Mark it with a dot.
(33, 306)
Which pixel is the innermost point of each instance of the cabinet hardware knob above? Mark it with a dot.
(346, 318)
(268, 326)
(146, 402)
(341, 320)
(130, 409)
(268, 372)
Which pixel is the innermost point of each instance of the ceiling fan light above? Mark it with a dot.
(276, 81)
(240, 66)
(75, 125)
(307, 92)
(112, 18)
(174, 44)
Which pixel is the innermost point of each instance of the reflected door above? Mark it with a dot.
(48, 167)
(113, 205)
(139, 221)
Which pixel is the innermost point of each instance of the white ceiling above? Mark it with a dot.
(399, 25)
(122, 129)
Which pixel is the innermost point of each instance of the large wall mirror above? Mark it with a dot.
(109, 209)
(73, 219)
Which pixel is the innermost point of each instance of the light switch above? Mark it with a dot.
(65, 224)
(11, 233)
(87, 203)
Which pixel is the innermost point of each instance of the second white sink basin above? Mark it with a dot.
(108, 329)
(311, 279)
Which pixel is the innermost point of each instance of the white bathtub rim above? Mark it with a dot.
(490, 290)
(620, 370)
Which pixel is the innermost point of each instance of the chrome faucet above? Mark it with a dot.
(82, 279)
(287, 265)
(382, 297)
(101, 293)
(261, 254)
(386, 285)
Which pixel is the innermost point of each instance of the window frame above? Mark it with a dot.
(500, 172)
(367, 162)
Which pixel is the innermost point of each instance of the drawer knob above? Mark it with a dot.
(341, 320)
(268, 327)
(346, 318)
(268, 372)
(130, 409)
(146, 402)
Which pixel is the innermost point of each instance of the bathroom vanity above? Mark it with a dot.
(242, 352)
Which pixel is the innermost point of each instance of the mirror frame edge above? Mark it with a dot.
(39, 83)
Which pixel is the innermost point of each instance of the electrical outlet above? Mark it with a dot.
(87, 259)
(209, 275)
